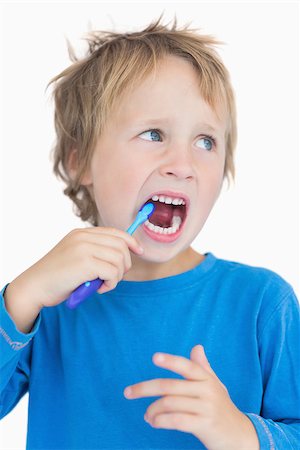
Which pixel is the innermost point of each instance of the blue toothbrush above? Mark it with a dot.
(89, 287)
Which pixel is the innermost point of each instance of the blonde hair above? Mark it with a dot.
(85, 93)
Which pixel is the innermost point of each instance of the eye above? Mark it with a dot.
(154, 135)
(209, 142)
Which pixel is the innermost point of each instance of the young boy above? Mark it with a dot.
(146, 116)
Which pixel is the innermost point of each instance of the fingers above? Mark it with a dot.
(192, 372)
(172, 404)
(112, 263)
(180, 365)
(106, 253)
(110, 249)
(162, 386)
(186, 422)
(132, 243)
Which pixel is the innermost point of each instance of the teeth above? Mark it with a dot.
(176, 222)
(168, 200)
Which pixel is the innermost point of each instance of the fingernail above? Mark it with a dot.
(140, 250)
(127, 392)
(159, 357)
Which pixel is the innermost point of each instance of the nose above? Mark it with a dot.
(177, 162)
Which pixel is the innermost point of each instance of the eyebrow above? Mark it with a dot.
(165, 120)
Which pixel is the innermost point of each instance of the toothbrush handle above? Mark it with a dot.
(82, 292)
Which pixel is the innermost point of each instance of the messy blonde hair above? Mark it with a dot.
(86, 92)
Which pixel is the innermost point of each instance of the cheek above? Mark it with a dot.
(214, 186)
(110, 173)
(210, 186)
(117, 182)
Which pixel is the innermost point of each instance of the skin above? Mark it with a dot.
(127, 166)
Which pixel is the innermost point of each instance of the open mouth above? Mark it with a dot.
(167, 218)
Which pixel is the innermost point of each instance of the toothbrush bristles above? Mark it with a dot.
(148, 209)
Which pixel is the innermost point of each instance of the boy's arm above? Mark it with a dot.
(212, 417)
(279, 346)
(14, 358)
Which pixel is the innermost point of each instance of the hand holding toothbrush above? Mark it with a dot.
(83, 254)
(87, 288)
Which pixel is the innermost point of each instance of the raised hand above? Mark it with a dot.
(200, 404)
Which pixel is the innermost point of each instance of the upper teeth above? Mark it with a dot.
(168, 200)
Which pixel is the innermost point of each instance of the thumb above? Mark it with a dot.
(198, 356)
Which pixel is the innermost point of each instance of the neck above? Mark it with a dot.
(146, 270)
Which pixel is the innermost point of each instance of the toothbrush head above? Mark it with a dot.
(143, 214)
(147, 209)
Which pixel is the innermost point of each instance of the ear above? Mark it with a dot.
(72, 166)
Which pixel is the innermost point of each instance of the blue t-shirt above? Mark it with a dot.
(75, 364)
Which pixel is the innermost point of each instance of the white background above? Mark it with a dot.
(255, 222)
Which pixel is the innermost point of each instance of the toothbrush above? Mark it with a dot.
(86, 289)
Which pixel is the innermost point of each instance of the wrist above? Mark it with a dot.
(238, 433)
(22, 310)
(21, 290)
(246, 437)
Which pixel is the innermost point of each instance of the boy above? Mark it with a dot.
(149, 116)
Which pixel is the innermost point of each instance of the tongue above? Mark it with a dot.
(163, 214)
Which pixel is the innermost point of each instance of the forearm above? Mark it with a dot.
(282, 435)
(21, 309)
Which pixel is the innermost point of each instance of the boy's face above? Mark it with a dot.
(131, 163)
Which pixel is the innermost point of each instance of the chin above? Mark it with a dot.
(162, 254)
